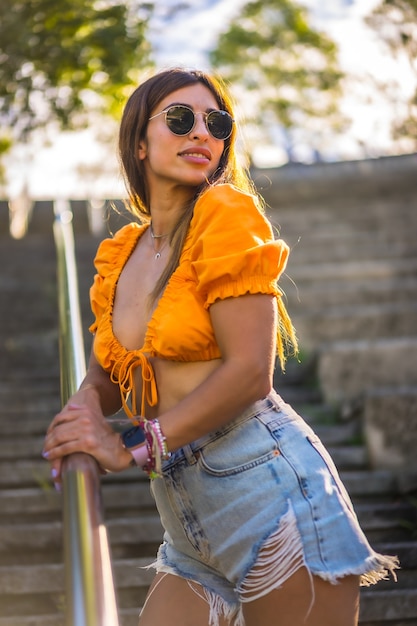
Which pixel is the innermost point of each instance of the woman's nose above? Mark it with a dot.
(200, 127)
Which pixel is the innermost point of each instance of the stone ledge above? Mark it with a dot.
(385, 606)
(307, 296)
(390, 428)
(362, 321)
(305, 182)
(351, 369)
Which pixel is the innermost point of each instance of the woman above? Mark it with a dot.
(188, 321)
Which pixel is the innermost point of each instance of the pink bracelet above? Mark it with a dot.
(157, 448)
(140, 455)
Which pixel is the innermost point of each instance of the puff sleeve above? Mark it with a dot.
(111, 255)
(233, 250)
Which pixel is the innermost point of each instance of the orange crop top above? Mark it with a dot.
(229, 251)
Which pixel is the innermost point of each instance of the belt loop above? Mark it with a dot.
(276, 400)
(189, 454)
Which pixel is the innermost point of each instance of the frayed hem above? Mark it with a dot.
(383, 567)
(378, 567)
(279, 557)
(218, 606)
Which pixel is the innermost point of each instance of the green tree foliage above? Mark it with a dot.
(395, 22)
(290, 68)
(59, 60)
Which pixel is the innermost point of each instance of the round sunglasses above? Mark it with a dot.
(181, 120)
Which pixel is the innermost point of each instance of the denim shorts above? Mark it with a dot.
(261, 490)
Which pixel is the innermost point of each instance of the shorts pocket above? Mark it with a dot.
(241, 448)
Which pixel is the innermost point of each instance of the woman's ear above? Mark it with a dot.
(142, 150)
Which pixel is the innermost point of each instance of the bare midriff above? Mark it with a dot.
(174, 380)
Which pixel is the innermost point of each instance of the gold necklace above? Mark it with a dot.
(157, 236)
(153, 237)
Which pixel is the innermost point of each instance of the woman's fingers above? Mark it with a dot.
(65, 415)
(79, 429)
(56, 473)
(72, 431)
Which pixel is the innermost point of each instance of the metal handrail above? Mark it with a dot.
(90, 593)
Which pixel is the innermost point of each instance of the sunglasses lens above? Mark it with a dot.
(180, 120)
(220, 124)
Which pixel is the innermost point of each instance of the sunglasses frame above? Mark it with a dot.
(195, 113)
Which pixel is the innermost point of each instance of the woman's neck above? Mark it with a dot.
(166, 211)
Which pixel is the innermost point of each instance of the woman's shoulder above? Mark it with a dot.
(114, 250)
(224, 207)
(226, 194)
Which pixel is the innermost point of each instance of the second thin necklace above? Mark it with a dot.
(153, 236)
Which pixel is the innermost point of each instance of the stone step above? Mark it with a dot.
(27, 543)
(389, 522)
(369, 180)
(340, 243)
(348, 369)
(316, 216)
(349, 457)
(45, 504)
(33, 419)
(27, 589)
(32, 472)
(308, 295)
(322, 273)
(16, 448)
(127, 617)
(31, 352)
(338, 433)
(390, 429)
(365, 321)
(387, 606)
(369, 483)
(49, 578)
(311, 222)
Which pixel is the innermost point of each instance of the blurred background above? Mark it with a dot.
(321, 80)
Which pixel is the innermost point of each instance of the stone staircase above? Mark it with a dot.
(350, 287)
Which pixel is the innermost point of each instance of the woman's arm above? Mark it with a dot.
(98, 379)
(245, 329)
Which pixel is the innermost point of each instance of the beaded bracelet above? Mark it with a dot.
(157, 448)
(162, 441)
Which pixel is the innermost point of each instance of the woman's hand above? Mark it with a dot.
(81, 427)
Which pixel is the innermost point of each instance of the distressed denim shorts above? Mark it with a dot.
(246, 506)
